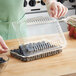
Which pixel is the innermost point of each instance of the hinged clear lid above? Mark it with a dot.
(39, 29)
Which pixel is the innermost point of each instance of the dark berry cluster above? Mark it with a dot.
(38, 46)
(33, 51)
(2, 60)
(34, 47)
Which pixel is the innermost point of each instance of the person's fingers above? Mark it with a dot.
(2, 50)
(51, 14)
(62, 12)
(66, 10)
(54, 9)
(59, 10)
(4, 46)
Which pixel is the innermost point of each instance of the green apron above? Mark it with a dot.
(10, 11)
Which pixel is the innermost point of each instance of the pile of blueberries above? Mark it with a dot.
(32, 48)
(31, 51)
(2, 60)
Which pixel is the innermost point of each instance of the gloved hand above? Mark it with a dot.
(55, 9)
(3, 48)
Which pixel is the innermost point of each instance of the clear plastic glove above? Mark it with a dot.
(3, 48)
(56, 9)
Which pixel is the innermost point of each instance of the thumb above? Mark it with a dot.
(2, 50)
(2, 43)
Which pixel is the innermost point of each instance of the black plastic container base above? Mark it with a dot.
(31, 58)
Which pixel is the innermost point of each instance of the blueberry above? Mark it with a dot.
(34, 47)
(2, 60)
(22, 47)
(12, 50)
(41, 46)
(38, 45)
(48, 45)
(29, 47)
(18, 51)
(23, 50)
(45, 46)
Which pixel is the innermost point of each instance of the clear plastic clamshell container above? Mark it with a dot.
(38, 37)
(72, 20)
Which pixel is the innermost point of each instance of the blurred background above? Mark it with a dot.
(36, 9)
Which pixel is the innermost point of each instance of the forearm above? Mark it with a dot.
(50, 0)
